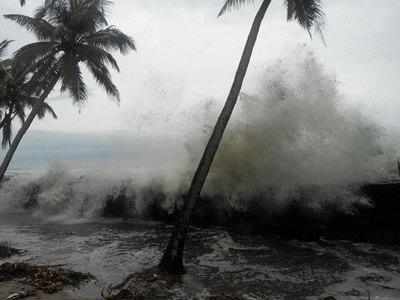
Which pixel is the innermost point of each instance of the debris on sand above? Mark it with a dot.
(48, 279)
(149, 284)
(155, 285)
(7, 251)
(21, 295)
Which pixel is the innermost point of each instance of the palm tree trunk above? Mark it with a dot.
(24, 128)
(172, 260)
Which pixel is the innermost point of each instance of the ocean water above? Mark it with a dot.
(84, 151)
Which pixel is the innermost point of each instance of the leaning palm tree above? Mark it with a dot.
(10, 106)
(309, 14)
(70, 33)
(15, 98)
(6, 107)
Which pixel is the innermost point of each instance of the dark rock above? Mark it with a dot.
(7, 251)
(374, 277)
(118, 206)
(353, 292)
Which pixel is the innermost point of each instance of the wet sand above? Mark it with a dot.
(218, 262)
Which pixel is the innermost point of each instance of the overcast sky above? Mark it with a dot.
(187, 55)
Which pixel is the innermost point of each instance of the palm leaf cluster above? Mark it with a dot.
(15, 96)
(308, 13)
(71, 32)
(4, 65)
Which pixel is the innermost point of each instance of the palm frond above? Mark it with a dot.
(18, 107)
(33, 52)
(90, 13)
(3, 46)
(98, 9)
(5, 74)
(71, 78)
(42, 10)
(6, 131)
(111, 38)
(55, 11)
(103, 78)
(1, 117)
(229, 4)
(44, 109)
(43, 70)
(89, 52)
(33, 58)
(308, 13)
(79, 16)
(40, 27)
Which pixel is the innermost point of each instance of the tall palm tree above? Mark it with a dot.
(70, 33)
(308, 14)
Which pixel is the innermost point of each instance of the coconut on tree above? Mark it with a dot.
(70, 33)
(308, 14)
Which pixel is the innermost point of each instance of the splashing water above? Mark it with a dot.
(295, 137)
(296, 131)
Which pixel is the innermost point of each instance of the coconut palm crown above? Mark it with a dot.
(308, 13)
(71, 32)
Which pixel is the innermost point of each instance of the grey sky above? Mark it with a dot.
(186, 55)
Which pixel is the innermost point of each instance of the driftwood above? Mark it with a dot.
(21, 295)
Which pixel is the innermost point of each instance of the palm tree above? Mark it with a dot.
(6, 108)
(70, 32)
(15, 97)
(308, 14)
